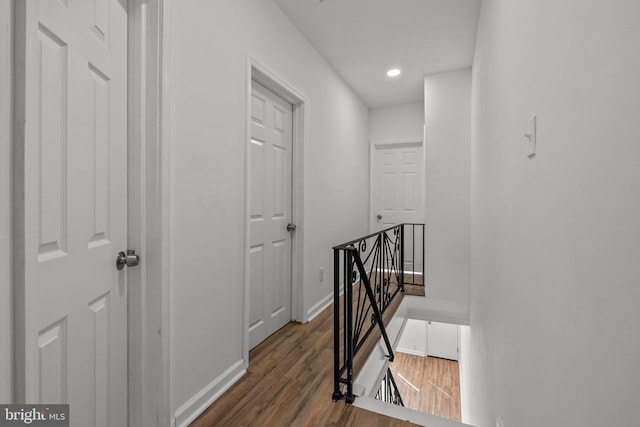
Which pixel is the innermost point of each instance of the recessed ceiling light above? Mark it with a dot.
(394, 72)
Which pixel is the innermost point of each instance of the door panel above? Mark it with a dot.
(442, 340)
(75, 107)
(270, 162)
(398, 185)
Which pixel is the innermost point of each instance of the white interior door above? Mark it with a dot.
(75, 189)
(398, 185)
(270, 212)
(398, 195)
(442, 340)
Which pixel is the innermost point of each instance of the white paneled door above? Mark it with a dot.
(398, 193)
(398, 185)
(75, 190)
(270, 213)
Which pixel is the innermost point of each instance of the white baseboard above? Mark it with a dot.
(319, 307)
(209, 394)
(411, 351)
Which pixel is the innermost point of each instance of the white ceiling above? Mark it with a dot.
(362, 39)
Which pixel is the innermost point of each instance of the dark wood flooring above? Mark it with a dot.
(428, 384)
(289, 383)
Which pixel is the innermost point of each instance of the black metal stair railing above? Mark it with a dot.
(388, 391)
(371, 271)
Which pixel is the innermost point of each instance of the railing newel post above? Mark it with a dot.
(337, 394)
(413, 254)
(401, 284)
(424, 258)
(348, 292)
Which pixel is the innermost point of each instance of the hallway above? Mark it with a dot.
(530, 195)
(289, 383)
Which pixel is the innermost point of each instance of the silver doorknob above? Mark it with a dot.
(379, 217)
(130, 259)
(291, 227)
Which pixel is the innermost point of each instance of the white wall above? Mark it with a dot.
(6, 59)
(555, 304)
(447, 100)
(397, 122)
(209, 43)
(414, 338)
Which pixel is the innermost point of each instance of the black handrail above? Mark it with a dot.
(372, 268)
(359, 239)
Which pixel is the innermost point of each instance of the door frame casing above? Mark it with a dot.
(149, 314)
(257, 71)
(417, 141)
(6, 204)
(147, 19)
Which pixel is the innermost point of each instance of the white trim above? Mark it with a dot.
(394, 142)
(314, 311)
(166, 232)
(247, 244)
(465, 390)
(209, 394)
(281, 87)
(25, 362)
(437, 310)
(136, 307)
(411, 351)
(372, 207)
(404, 414)
(6, 181)
(147, 187)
